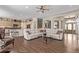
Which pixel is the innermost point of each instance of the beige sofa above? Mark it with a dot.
(58, 34)
(31, 34)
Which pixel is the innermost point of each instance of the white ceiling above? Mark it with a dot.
(27, 11)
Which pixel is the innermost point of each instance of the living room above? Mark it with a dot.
(39, 28)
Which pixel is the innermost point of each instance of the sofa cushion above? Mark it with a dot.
(28, 32)
(58, 32)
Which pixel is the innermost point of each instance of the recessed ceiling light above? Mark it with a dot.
(26, 7)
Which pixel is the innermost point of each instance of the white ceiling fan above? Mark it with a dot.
(43, 8)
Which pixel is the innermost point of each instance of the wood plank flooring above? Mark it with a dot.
(39, 46)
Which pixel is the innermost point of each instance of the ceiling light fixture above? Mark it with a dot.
(43, 8)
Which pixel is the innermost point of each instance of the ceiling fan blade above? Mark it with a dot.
(45, 6)
(42, 8)
(47, 9)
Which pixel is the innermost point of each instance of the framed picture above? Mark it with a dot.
(28, 26)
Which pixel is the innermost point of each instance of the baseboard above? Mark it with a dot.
(47, 37)
(33, 38)
(57, 39)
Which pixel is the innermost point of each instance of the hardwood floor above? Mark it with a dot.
(36, 45)
(39, 46)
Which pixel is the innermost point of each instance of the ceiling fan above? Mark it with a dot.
(43, 8)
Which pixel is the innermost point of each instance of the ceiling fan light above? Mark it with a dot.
(43, 8)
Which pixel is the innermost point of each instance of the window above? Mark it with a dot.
(15, 25)
(74, 26)
(28, 26)
(39, 23)
(56, 24)
(47, 24)
(69, 26)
